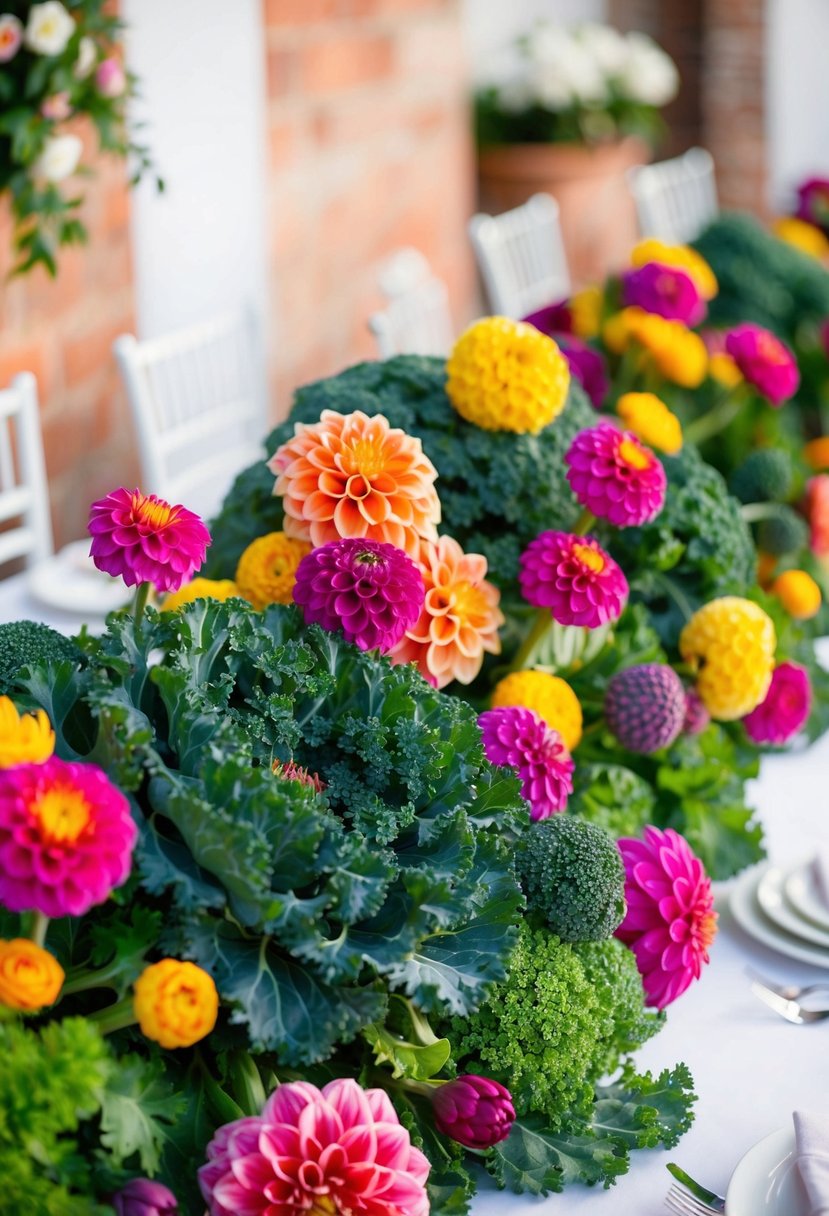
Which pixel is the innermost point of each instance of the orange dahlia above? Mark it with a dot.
(355, 476)
(459, 620)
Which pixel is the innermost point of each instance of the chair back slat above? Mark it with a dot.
(415, 322)
(196, 405)
(675, 199)
(24, 494)
(521, 257)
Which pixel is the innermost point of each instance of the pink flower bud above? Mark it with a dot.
(141, 1197)
(56, 108)
(110, 78)
(475, 1111)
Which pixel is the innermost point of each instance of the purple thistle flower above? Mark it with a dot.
(519, 738)
(667, 291)
(697, 717)
(645, 707)
(475, 1111)
(143, 1197)
(372, 591)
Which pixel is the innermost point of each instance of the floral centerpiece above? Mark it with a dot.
(59, 63)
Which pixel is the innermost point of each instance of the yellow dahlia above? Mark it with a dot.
(549, 696)
(505, 375)
(730, 643)
(459, 620)
(676, 351)
(723, 369)
(266, 572)
(356, 476)
(682, 257)
(798, 593)
(200, 589)
(24, 738)
(651, 420)
(586, 311)
(802, 235)
(816, 453)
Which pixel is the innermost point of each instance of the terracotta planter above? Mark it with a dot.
(598, 218)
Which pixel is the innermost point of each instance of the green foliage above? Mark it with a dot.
(697, 548)
(764, 476)
(24, 644)
(139, 1111)
(497, 490)
(51, 1080)
(612, 796)
(573, 877)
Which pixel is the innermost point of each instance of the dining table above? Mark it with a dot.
(751, 1067)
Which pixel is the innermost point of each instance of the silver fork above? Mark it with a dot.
(789, 992)
(788, 1007)
(685, 1204)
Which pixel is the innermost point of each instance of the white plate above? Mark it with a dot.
(70, 582)
(767, 1181)
(749, 916)
(804, 894)
(770, 898)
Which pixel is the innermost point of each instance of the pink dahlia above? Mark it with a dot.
(142, 539)
(370, 590)
(786, 707)
(813, 202)
(668, 291)
(817, 513)
(615, 476)
(520, 738)
(574, 578)
(670, 920)
(476, 1111)
(316, 1153)
(764, 361)
(66, 837)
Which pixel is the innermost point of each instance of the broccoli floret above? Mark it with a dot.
(611, 970)
(782, 533)
(613, 797)
(764, 476)
(537, 1033)
(573, 877)
(26, 643)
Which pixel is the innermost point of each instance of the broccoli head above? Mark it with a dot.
(764, 476)
(611, 970)
(573, 877)
(27, 643)
(782, 533)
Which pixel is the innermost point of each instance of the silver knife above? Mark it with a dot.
(714, 1201)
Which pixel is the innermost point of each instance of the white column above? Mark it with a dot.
(797, 95)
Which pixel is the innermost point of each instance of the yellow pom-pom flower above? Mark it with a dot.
(24, 738)
(683, 258)
(649, 418)
(723, 369)
(176, 1004)
(816, 453)
(801, 235)
(266, 572)
(677, 352)
(730, 643)
(30, 977)
(504, 375)
(586, 311)
(200, 589)
(798, 593)
(549, 696)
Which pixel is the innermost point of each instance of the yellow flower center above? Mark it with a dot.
(589, 557)
(147, 509)
(468, 602)
(365, 456)
(324, 1205)
(62, 814)
(633, 456)
(707, 929)
(769, 349)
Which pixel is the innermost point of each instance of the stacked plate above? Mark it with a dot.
(786, 909)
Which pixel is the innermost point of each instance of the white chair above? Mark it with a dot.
(198, 409)
(676, 198)
(417, 320)
(24, 494)
(521, 257)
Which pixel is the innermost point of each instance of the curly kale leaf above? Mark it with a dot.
(139, 1111)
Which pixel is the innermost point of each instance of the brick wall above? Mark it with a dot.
(370, 149)
(62, 330)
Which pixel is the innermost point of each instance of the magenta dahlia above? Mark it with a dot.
(644, 706)
(144, 1197)
(142, 539)
(786, 707)
(372, 591)
(316, 1153)
(553, 319)
(587, 366)
(574, 578)
(765, 361)
(476, 1111)
(615, 476)
(66, 837)
(813, 202)
(667, 291)
(521, 739)
(697, 717)
(670, 920)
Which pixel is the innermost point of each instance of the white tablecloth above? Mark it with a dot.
(751, 1068)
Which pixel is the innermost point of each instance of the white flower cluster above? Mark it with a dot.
(588, 65)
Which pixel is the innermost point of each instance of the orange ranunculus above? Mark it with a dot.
(266, 572)
(176, 1003)
(30, 977)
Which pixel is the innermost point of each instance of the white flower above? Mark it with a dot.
(49, 28)
(649, 75)
(59, 157)
(87, 55)
(607, 46)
